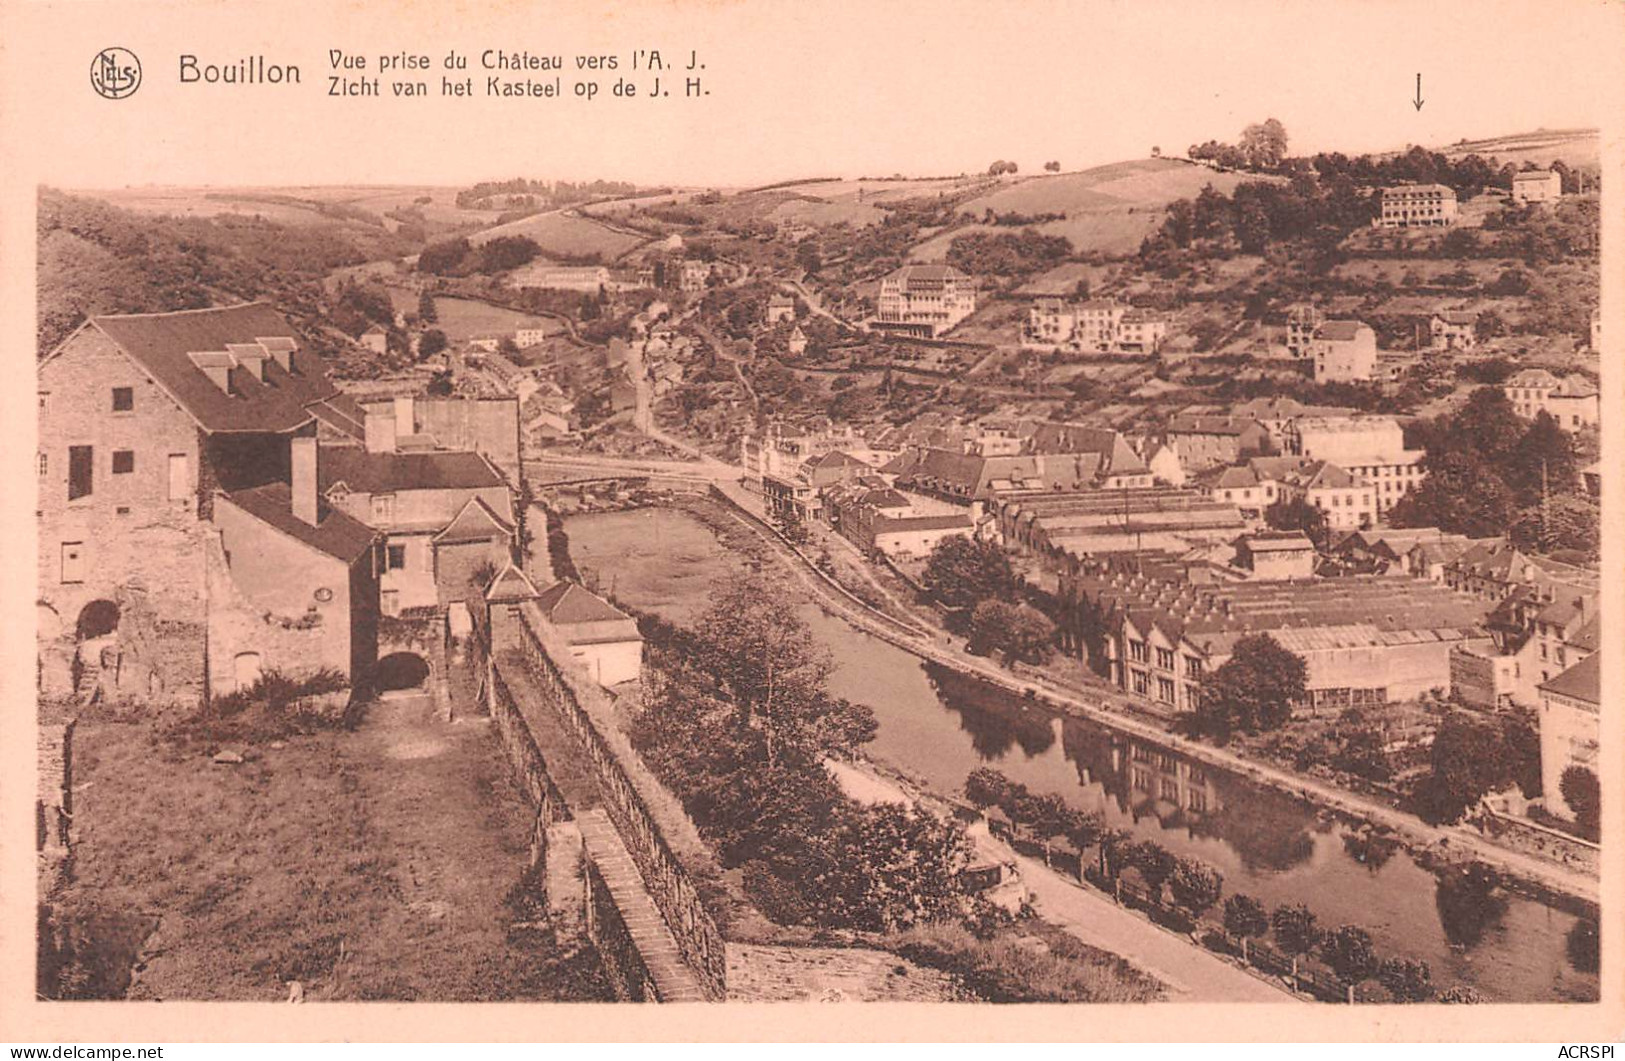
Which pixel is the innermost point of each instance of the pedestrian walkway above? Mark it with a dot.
(673, 980)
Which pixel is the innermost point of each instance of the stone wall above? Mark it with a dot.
(609, 935)
(528, 765)
(670, 886)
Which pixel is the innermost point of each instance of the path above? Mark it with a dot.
(1190, 973)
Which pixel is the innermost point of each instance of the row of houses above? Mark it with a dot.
(1436, 205)
(1093, 326)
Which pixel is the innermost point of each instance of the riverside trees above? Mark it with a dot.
(739, 728)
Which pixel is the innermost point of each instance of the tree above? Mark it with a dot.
(1583, 793)
(808, 257)
(1460, 494)
(962, 572)
(1407, 979)
(1296, 932)
(1020, 632)
(1461, 994)
(1293, 513)
(761, 653)
(1245, 918)
(1488, 425)
(1046, 816)
(1542, 461)
(431, 343)
(1564, 522)
(1264, 144)
(426, 309)
(986, 787)
(1052, 167)
(1155, 864)
(1470, 758)
(1196, 886)
(1349, 951)
(440, 384)
(1254, 689)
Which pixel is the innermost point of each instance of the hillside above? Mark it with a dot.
(566, 234)
(1576, 147)
(1108, 209)
(96, 258)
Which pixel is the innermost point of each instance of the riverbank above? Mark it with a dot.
(1437, 844)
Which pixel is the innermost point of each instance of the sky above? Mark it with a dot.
(805, 88)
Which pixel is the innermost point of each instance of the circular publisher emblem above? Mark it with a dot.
(115, 73)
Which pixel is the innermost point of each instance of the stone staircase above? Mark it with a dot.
(674, 981)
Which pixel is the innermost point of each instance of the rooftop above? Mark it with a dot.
(568, 603)
(335, 533)
(384, 473)
(1583, 681)
(163, 345)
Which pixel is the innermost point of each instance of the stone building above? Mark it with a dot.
(924, 300)
(1343, 352)
(143, 421)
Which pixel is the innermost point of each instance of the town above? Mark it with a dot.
(1173, 580)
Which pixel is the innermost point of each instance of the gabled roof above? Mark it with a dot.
(567, 603)
(1339, 331)
(834, 459)
(1583, 681)
(385, 473)
(476, 522)
(511, 584)
(336, 534)
(1531, 377)
(162, 345)
(933, 271)
(1330, 477)
(1456, 316)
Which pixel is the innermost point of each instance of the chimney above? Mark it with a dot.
(405, 416)
(380, 432)
(302, 482)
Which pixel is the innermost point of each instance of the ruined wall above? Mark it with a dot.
(675, 894)
(133, 539)
(529, 767)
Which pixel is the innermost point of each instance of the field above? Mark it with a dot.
(463, 319)
(1576, 147)
(1109, 209)
(297, 205)
(567, 235)
(375, 864)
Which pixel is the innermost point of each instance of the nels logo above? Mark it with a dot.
(115, 73)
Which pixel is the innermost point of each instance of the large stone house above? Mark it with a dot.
(144, 422)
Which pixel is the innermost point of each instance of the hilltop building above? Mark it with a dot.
(600, 635)
(1343, 352)
(1454, 329)
(1093, 326)
(1302, 321)
(924, 300)
(1417, 205)
(1537, 186)
(1572, 401)
(780, 308)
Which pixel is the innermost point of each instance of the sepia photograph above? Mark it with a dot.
(1117, 523)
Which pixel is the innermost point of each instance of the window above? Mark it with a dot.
(383, 508)
(1193, 667)
(123, 399)
(1141, 682)
(43, 463)
(396, 558)
(81, 471)
(1165, 658)
(73, 562)
(178, 486)
(123, 461)
(1165, 690)
(1137, 651)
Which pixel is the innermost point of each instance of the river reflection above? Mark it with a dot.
(938, 725)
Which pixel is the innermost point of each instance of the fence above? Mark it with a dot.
(698, 939)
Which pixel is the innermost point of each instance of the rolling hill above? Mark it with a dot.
(1109, 209)
(1576, 147)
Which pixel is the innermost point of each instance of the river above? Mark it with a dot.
(937, 725)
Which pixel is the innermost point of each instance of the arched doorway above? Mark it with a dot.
(97, 619)
(402, 672)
